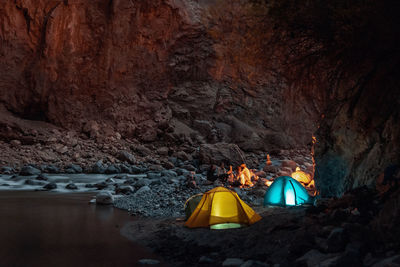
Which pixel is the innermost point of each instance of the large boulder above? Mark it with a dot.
(29, 170)
(229, 154)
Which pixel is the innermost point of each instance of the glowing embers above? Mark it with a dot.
(286, 191)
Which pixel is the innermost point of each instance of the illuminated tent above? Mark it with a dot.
(191, 204)
(286, 191)
(221, 208)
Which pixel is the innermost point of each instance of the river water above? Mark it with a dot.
(62, 229)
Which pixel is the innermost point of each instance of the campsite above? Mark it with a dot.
(199, 133)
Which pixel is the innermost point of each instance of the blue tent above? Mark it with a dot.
(286, 191)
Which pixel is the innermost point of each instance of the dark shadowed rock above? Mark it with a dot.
(42, 177)
(7, 170)
(50, 186)
(112, 169)
(125, 168)
(142, 182)
(51, 169)
(229, 154)
(124, 190)
(125, 156)
(142, 190)
(73, 168)
(29, 170)
(101, 185)
(336, 240)
(71, 186)
(98, 167)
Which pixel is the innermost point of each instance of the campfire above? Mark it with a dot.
(245, 177)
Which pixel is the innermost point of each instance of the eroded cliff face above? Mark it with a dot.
(174, 71)
(140, 68)
(359, 137)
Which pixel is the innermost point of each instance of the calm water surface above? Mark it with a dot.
(53, 229)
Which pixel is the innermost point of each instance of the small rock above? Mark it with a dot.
(142, 150)
(42, 177)
(29, 170)
(112, 169)
(271, 168)
(336, 240)
(51, 169)
(156, 167)
(7, 170)
(182, 155)
(71, 186)
(50, 186)
(15, 143)
(126, 156)
(148, 261)
(232, 262)
(136, 170)
(189, 167)
(101, 185)
(73, 168)
(142, 190)
(289, 163)
(206, 260)
(98, 167)
(142, 182)
(125, 168)
(104, 198)
(163, 151)
(124, 190)
(111, 180)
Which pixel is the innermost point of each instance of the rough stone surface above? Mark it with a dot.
(29, 170)
(104, 198)
(229, 154)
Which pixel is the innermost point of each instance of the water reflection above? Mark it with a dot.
(47, 229)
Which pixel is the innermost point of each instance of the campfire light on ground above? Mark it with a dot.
(245, 177)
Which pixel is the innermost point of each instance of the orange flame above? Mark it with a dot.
(244, 175)
(269, 162)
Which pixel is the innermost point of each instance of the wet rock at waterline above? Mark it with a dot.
(29, 170)
(50, 186)
(104, 198)
(71, 186)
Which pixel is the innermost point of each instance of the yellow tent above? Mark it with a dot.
(221, 206)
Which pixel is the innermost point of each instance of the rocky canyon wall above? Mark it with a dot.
(145, 69)
(262, 76)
